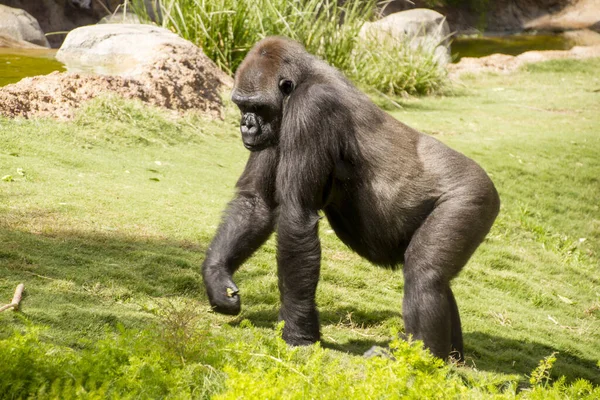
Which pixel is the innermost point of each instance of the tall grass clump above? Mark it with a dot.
(397, 67)
(227, 29)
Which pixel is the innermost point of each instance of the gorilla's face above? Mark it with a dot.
(262, 84)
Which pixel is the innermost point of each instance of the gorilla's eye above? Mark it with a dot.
(286, 86)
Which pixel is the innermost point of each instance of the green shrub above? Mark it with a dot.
(227, 29)
(397, 68)
(187, 361)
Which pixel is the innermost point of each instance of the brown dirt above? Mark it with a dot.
(506, 63)
(177, 79)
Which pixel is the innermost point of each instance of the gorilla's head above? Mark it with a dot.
(267, 77)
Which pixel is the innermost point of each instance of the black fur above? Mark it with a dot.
(392, 194)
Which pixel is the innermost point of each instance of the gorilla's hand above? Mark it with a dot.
(222, 292)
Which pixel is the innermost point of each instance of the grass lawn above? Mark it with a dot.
(105, 220)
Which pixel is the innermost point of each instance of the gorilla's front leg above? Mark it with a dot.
(247, 224)
(298, 262)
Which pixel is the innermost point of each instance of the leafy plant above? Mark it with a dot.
(541, 375)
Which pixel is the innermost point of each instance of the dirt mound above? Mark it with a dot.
(176, 80)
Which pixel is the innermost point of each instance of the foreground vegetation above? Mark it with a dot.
(106, 219)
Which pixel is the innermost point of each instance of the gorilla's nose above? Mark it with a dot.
(249, 126)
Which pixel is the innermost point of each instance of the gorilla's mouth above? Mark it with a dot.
(251, 132)
(254, 146)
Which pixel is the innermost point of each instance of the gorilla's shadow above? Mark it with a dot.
(267, 318)
(361, 318)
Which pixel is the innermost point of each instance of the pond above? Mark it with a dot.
(16, 64)
(513, 45)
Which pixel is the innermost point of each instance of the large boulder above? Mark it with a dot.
(134, 61)
(20, 25)
(117, 49)
(420, 27)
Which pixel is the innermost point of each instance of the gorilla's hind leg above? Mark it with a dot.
(437, 252)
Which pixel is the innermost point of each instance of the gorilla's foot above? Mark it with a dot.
(301, 328)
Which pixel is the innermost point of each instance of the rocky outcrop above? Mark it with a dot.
(582, 14)
(420, 27)
(21, 26)
(503, 63)
(59, 16)
(512, 15)
(158, 67)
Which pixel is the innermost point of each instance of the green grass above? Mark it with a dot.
(106, 219)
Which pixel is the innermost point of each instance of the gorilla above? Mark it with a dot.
(392, 194)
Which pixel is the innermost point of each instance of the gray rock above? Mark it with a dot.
(20, 25)
(116, 49)
(420, 26)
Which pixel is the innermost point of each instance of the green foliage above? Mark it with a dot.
(243, 364)
(414, 71)
(541, 375)
(227, 29)
(296, 373)
(126, 364)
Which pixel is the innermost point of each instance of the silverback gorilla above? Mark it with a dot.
(392, 194)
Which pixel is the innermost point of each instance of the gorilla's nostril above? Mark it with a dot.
(250, 120)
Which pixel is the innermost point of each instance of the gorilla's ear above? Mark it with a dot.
(286, 86)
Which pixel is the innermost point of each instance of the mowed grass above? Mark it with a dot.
(106, 219)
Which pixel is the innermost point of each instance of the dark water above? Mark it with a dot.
(512, 45)
(16, 64)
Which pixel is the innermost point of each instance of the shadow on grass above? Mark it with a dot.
(509, 356)
(153, 266)
(354, 346)
(268, 318)
(79, 284)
